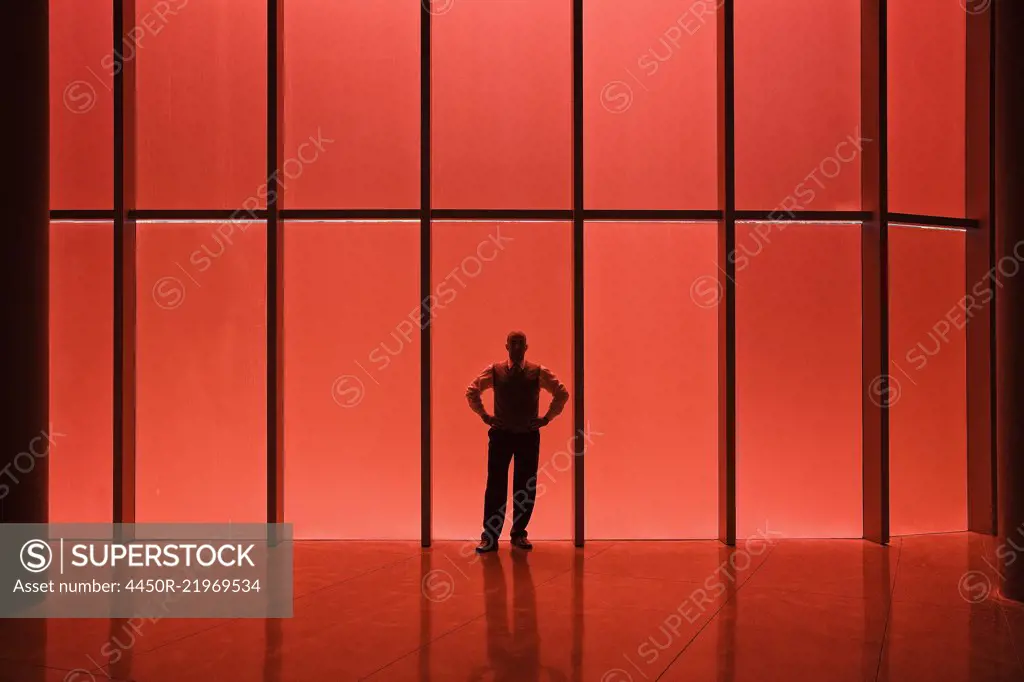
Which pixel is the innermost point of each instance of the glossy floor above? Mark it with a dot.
(770, 609)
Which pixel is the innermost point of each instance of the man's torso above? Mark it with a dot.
(516, 394)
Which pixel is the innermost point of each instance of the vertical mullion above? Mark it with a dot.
(980, 257)
(579, 416)
(876, 394)
(727, 275)
(275, 263)
(426, 469)
(124, 366)
(24, 276)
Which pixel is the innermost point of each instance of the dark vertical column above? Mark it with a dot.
(125, 179)
(275, 262)
(876, 392)
(980, 246)
(24, 310)
(578, 413)
(426, 469)
(1009, 223)
(727, 275)
(25, 266)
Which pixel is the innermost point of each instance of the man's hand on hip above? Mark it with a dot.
(539, 422)
(491, 421)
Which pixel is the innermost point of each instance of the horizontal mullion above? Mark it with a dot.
(641, 215)
(500, 214)
(198, 214)
(351, 214)
(512, 214)
(932, 221)
(86, 214)
(803, 216)
(394, 214)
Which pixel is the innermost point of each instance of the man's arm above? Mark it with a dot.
(559, 395)
(484, 381)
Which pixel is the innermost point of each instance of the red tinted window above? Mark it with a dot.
(81, 105)
(201, 373)
(489, 279)
(502, 105)
(798, 379)
(202, 103)
(651, 126)
(798, 136)
(651, 369)
(352, 76)
(927, 106)
(928, 355)
(352, 381)
(81, 372)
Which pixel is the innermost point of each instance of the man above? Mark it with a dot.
(514, 434)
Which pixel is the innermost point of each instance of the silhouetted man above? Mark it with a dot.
(514, 434)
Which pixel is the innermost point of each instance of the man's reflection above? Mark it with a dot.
(513, 654)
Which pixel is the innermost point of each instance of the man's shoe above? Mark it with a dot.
(522, 543)
(486, 546)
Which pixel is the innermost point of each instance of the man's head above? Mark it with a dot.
(516, 346)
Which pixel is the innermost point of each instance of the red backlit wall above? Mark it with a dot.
(798, 379)
(651, 380)
(927, 106)
(489, 279)
(798, 105)
(201, 364)
(352, 389)
(650, 105)
(928, 355)
(502, 138)
(81, 381)
(202, 102)
(352, 75)
(502, 105)
(81, 105)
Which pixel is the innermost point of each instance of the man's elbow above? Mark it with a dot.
(561, 399)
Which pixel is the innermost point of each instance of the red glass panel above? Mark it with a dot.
(928, 355)
(651, 122)
(798, 136)
(81, 372)
(201, 373)
(489, 279)
(798, 379)
(352, 428)
(927, 106)
(202, 103)
(352, 75)
(502, 105)
(81, 105)
(652, 378)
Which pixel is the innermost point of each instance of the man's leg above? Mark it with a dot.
(499, 454)
(524, 481)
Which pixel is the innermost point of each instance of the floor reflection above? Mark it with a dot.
(807, 610)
